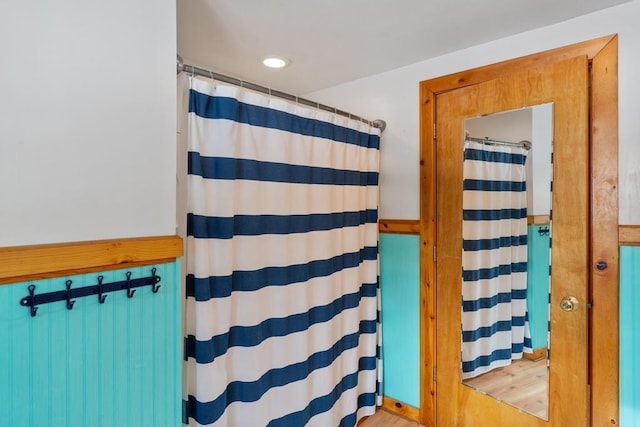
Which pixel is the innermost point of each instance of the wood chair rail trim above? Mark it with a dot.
(399, 226)
(22, 263)
(629, 235)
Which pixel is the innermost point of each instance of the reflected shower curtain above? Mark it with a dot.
(495, 328)
(282, 263)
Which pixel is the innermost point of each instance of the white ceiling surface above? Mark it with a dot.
(335, 41)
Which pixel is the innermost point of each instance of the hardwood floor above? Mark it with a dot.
(523, 384)
(383, 418)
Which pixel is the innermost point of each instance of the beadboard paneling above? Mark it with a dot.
(111, 364)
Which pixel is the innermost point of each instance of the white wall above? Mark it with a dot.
(87, 120)
(540, 158)
(393, 96)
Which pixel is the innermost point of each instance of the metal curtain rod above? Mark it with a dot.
(181, 66)
(524, 143)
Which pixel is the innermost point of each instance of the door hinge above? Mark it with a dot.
(434, 374)
(435, 254)
(435, 130)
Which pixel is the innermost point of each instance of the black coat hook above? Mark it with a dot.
(128, 286)
(155, 279)
(69, 302)
(32, 300)
(101, 297)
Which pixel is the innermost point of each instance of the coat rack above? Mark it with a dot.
(543, 231)
(100, 289)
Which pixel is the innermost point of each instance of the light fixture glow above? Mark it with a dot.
(275, 62)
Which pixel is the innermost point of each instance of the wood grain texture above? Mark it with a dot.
(23, 263)
(536, 354)
(383, 418)
(570, 249)
(401, 408)
(604, 237)
(590, 48)
(428, 163)
(523, 384)
(538, 220)
(428, 267)
(629, 235)
(399, 226)
(569, 343)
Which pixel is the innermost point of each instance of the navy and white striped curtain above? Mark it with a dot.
(495, 328)
(282, 262)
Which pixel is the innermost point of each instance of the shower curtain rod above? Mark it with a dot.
(525, 144)
(192, 69)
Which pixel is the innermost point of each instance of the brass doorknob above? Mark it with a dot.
(569, 303)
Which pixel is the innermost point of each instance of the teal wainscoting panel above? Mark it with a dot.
(538, 285)
(400, 293)
(629, 336)
(100, 365)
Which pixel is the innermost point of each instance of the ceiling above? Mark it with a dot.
(335, 41)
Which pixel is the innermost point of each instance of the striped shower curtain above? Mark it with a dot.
(282, 263)
(495, 327)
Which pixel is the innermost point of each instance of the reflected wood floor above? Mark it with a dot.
(383, 418)
(523, 384)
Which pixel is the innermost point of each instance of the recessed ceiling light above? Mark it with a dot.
(275, 62)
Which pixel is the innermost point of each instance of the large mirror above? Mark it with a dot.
(507, 183)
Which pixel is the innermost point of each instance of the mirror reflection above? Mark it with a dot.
(507, 175)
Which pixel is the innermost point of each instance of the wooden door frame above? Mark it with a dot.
(603, 348)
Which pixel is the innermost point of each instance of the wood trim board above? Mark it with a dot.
(399, 226)
(538, 220)
(590, 48)
(629, 235)
(22, 263)
(400, 408)
(604, 245)
(537, 354)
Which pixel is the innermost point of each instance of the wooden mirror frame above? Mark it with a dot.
(604, 283)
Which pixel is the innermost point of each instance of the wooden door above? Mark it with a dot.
(566, 85)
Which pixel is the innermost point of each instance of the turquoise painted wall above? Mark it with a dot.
(538, 285)
(400, 293)
(112, 364)
(399, 282)
(629, 336)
